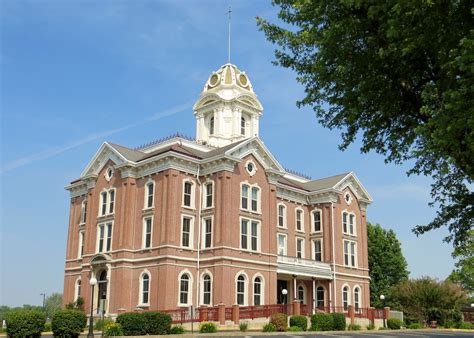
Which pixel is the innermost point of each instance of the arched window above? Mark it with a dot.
(257, 291)
(242, 126)
(320, 297)
(241, 290)
(145, 289)
(188, 193)
(356, 299)
(211, 126)
(83, 212)
(208, 192)
(149, 194)
(255, 199)
(317, 221)
(184, 289)
(301, 294)
(206, 288)
(78, 289)
(245, 196)
(281, 215)
(345, 297)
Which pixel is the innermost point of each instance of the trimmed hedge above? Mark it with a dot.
(133, 323)
(68, 323)
(25, 323)
(394, 323)
(338, 321)
(280, 320)
(157, 323)
(322, 322)
(300, 321)
(269, 327)
(415, 326)
(208, 328)
(178, 329)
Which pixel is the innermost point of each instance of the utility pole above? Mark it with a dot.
(44, 297)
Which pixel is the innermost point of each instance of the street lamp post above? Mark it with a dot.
(92, 282)
(382, 298)
(284, 292)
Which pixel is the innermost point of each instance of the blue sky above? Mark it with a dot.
(77, 73)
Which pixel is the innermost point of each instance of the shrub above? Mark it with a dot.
(112, 329)
(353, 327)
(465, 326)
(394, 323)
(338, 321)
(269, 328)
(414, 326)
(25, 323)
(47, 327)
(280, 320)
(68, 323)
(322, 322)
(133, 324)
(157, 323)
(371, 327)
(300, 321)
(295, 329)
(244, 326)
(178, 329)
(208, 328)
(99, 325)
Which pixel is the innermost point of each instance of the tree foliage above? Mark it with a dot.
(399, 73)
(387, 265)
(426, 299)
(52, 304)
(463, 274)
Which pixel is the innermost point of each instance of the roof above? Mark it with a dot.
(314, 185)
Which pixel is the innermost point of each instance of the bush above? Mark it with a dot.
(371, 327)
(99, 325)
(157, 323)
(414, 326)
(322, 322)
(178, 329)
(338, 321)
(465, 326)
(280, 320)
(353, 327)
(112, 329)
(47, 327)
(133, 324)
(295, 329)
(208, 328)
(25, 323)
(300, 321)
(68, 323)
(394, 323)
(244, 326)
(269, 328)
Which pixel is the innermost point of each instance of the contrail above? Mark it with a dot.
(56, 150)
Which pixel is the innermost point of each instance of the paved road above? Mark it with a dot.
(369, 334)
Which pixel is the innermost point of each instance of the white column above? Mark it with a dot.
(294, 288)
(330, 297)
(314, 296)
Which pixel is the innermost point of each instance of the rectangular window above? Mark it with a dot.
(245, 196)
(351, 224)
(299, 247)
(150, 191)
(346, 252)
(81, 244)
(299, 220)
(318, 252)
(187, 194)
(84, 212)
(186, 232)
(101, 238)
(353, 253)
(147, 230)
(281, 215)
(317, 221)
(207, 233)
(208, 198)
(254, 199)
(244, 233)
(344, 222)
(254, 236)
(103, 197)
(281, 245)
(111, 201)
(350, 253)
(104, 237)
(109, 237)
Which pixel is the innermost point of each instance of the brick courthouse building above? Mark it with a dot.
(216, 220)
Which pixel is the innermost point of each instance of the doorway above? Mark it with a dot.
(282, 285)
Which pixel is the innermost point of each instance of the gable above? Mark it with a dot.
(105, 154)
(352, 182)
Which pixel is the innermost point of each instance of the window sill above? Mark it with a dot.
(188, 207)
(105, 217)
(143, 305)
(301, 232)
(316, 233)
(148, 210)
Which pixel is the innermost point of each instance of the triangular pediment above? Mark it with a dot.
(352, 182)
(105, 153)
(261, 153)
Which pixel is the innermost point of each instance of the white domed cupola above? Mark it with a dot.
(227, 110)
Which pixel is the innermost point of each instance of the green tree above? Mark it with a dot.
(399, 74)
(387, 265)
(52, 304)
(463, 274)
(426, 299)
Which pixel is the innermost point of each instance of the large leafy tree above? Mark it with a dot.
(397, 73)
(463, 274)
(387, 265)
(52, 304)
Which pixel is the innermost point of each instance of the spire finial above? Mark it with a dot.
(229, 12)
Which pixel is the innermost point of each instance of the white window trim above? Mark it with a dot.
(145, 204)
(286, 243)
(360, 294)
(203, 232)
(106, 173)
(285, 226)
(109, 201)
(190, 288)
(350, 254)
(302, 219)
(313, 249)
(249, 234)
(349, 298)
(204, 194)
(191, 232)
(76, 288)
(262, 289)
(303, 256)
(105, 237)
(320, 218)
(316, 295)
(144, 233)
(349, 213)
(246, 287)
(140, 293)
(254, 171)
(201, 301)
(83, 219)
(305, 296)
(249, 198)
(193, 194)
(81, 242)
